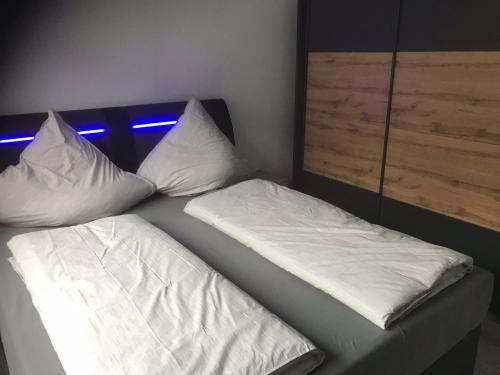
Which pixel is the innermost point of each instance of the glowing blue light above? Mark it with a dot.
(91, 131)
(27, 139)
(14, 140)
(154, 124)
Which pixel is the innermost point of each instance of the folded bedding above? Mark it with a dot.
(119, 296)
(379, 273)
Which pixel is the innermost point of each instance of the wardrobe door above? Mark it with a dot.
(349, 54)
(443, 152)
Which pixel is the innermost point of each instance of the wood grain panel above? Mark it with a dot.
(444, 141)
(346, 109)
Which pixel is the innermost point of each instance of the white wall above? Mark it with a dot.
(92, 53)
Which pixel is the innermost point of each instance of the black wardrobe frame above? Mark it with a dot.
(481, 243)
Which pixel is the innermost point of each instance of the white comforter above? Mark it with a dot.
(379, 273)
(119, 296)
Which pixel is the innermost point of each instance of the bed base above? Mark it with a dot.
(4, 370)
(460, 359)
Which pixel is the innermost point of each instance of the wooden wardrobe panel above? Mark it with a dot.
(346, 107)
(444, 141)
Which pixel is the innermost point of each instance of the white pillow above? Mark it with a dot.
(193, 157)
(63, 179)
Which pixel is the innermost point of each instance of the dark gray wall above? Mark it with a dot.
(91, 53)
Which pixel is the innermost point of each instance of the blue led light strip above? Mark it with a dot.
(14, 140)
(91, 131)
(95, 131)
(154, 124)
(25, 139)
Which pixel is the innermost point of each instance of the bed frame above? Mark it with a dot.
(127, 147)
(459, 360)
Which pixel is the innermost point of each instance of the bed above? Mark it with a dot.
(352, 344)
(438, 337)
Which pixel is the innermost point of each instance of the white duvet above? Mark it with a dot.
(380, 273)
(119, 296)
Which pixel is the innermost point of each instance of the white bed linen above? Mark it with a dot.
(193, 157)
(119, 296)
(63, 179)
(380, 273)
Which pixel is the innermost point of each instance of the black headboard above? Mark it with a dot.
(125, 146)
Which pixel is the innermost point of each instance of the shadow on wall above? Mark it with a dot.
(15, 20)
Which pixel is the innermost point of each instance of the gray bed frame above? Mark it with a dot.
(127, 151)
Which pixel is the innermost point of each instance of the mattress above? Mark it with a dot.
(352, 344)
